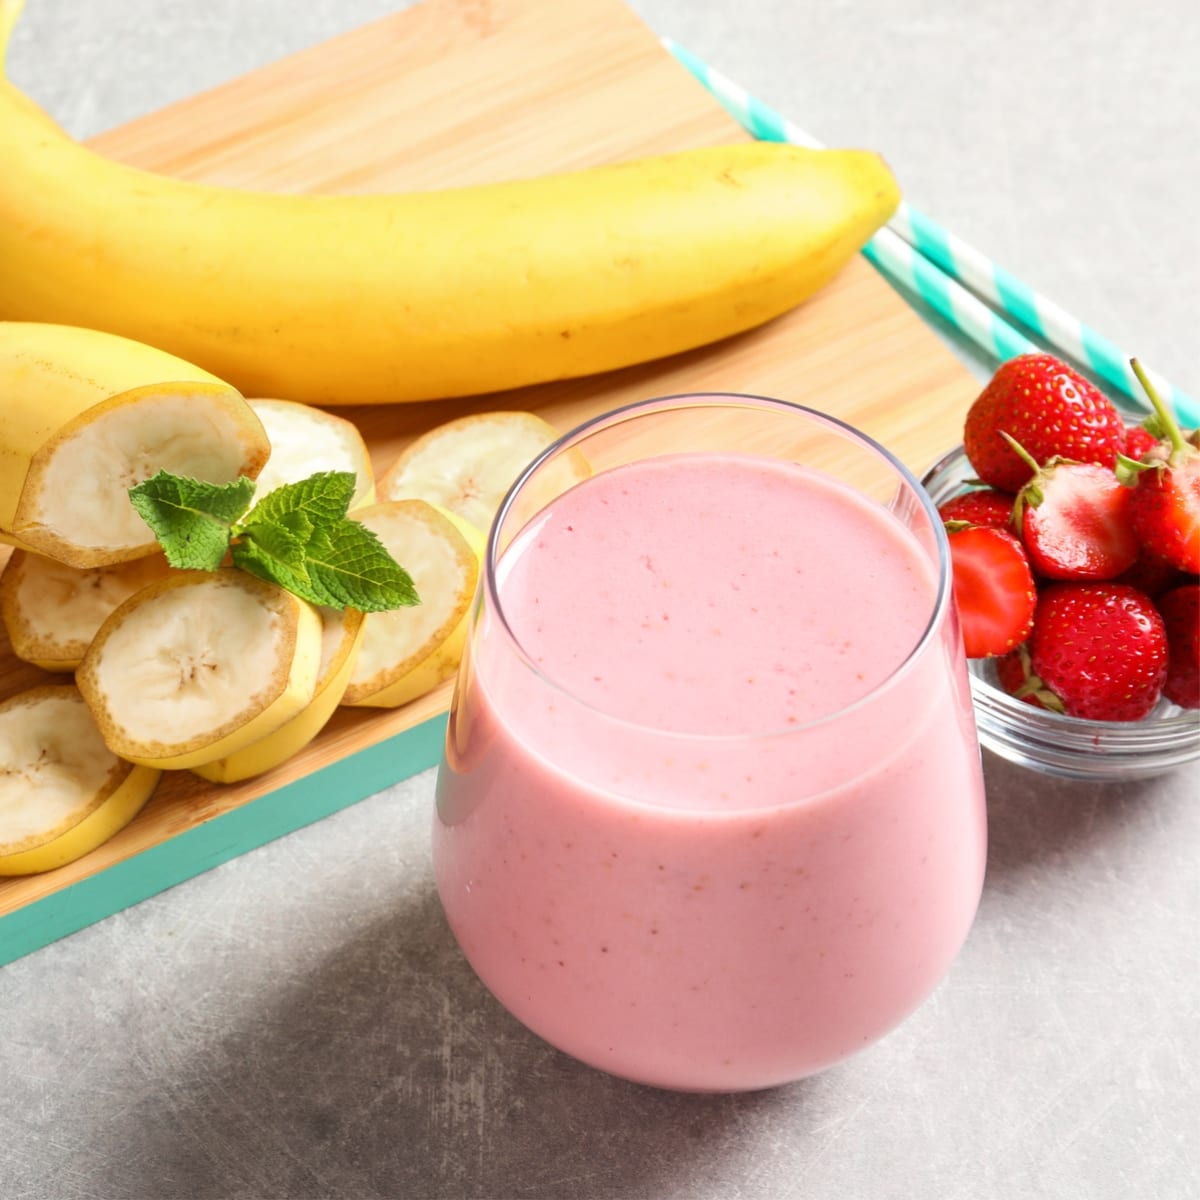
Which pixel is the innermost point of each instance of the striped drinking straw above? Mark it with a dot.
(915, 252)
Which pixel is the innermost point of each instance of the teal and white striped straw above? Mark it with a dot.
(916, 252)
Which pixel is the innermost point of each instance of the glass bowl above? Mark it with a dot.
(1049, 742)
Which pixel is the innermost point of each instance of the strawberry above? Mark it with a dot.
(984, 506)
(1166, 514)
(1097, 650)
(1139, 441)
(1166, 491)
(1075, 521)
(1151, 574)
(993, 588)
(1049, 409)
(1014, 675)
(1180, 611)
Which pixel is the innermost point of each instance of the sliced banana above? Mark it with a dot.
(88, 415)
(195, 667)
(409, 651)
(52, 611)
(62, 791)
(467, 465)
(341, 636)
(305, 440)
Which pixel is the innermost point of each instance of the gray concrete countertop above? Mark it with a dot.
(299, 1022)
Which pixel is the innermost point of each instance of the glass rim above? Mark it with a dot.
(680, 400)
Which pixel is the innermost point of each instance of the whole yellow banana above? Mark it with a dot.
(376, 298)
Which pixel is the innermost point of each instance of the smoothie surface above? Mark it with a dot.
(716, 594)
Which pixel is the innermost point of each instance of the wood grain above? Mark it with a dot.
(463, 91)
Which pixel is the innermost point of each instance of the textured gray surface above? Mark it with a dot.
(299, 1023)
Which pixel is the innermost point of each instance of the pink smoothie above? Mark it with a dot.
(713, 825)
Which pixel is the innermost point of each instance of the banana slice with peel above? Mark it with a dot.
(341, 636)
(467, 465)
(87, 415)
(410, 651)
(305, 440)
(62, 791)
(200, 665)
(52, 611)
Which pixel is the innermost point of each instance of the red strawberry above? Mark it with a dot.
(1049, 409)
(1166, 514)
(1139, 441)
(1099, 650)
(984, 506)
(1166, 491)
(993, 589)
(1180, 611)
(1075, 521)
(1151, 574)
(1014, 675)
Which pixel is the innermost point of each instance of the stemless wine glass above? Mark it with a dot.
(710, 815)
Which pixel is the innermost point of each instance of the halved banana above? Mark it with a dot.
(467, 465)
(86, 416)
(409, 651)
(62, 791)
(52, 611)
(199, 665)
(341, 636)
(305, 440)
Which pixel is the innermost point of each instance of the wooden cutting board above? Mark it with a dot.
(458, 92)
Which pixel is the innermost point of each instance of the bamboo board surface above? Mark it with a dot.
(456, 92)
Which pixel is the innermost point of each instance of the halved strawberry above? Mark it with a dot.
(1166, 490)
(993, 589)
(983, 506)
(1098, 650)
(1047, 407)
(1166, 514)
(1075, 521)
(1180, 611)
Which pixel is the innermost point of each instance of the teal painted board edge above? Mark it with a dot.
(253, 824)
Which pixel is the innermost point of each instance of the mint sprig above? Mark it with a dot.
(297, 536)
(190, 518)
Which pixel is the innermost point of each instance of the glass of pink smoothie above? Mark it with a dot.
(710, 815)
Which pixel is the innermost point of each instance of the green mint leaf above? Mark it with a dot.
(284, 544)
(190, 517)
(279, 554)
(351, 564)
(297, 536)
(322, 498)
(257, 558)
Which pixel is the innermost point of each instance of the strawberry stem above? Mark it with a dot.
(1169, 424)
(1021, 452)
